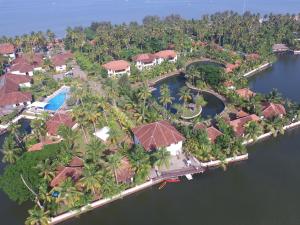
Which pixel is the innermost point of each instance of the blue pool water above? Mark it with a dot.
(57, 101)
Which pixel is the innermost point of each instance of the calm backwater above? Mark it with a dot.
(20, 16)
(265, 190)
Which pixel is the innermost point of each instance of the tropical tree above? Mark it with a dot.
(46, 170)
(94, 151)
(37, 216)
(69, 136)
(162, 158)
(11, 151)
(91, 179)
(253, 130)
(114, 161)
(144, 94)
(185, 95)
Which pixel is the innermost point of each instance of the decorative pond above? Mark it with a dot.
(213, 107)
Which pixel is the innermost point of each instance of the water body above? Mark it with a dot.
(284, 76)
(213, 107)
(19, 16)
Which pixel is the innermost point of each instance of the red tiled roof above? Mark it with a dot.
(241, 114)
(166, 54)
(228, 83)
(272, 110)
(63, 173)
(6, 48)
(200, 126)
(213, 133)
(76, 162)
(60, 118)
(238, 125)
(22, 67)
(41, 145)
(124, 171)
(144, 58)
(245, 93)
(253, 56)
(15, 97)
(158, 134)
(116, 65)
(35, 60)
(61, 59)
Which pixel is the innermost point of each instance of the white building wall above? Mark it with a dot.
(61, 68)
(30, 73)
(175, 149)
(28, 84)
(112, 73)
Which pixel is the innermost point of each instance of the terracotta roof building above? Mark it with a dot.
(213, 133)
(169, 55)
(159, 135)
(7, 49)
(144, 61)
(124, 172)
(26, 64)
(245, 93)
(238, 125)
(10, 94)
(117, 68)
(271, 110)
(60, 61)
(74, 171)
(59, 119)
(39, 146)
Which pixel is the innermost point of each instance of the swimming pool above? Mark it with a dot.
(57, 101)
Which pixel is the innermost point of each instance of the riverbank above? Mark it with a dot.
(258, 69)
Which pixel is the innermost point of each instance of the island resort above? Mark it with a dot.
(112, 116)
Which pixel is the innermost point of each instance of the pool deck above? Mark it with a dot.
(48, 98)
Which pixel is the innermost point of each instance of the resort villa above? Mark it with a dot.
(59, 61)
(27, 64)
(10, 94)
(73, 170)
(117, 68)
(8, 50)
(158, 135)
(124, 172)
(146, 61)
(271, 110)
(238, 125)
(59, 119)
(166, 55)
(245, 93)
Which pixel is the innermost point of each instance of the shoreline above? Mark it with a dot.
(73, 213)
(258, 69)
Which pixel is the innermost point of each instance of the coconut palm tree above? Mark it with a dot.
(94, 151)
(165, 96)
(37, 216)
(69, 136)
(10, 150)
(14, 128)
(46, 170)
(144, 94)
(253, 130)
(185, 95)
(91, 179)
(114, 162)
(162, 158)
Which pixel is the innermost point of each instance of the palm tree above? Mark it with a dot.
(162, 158)
(114, 162)
(10, 150)
(165, 96)
(144, 94)
(253, 130)
(94, 151)
(46, 170)
(69, 136)
(185, 95)
(14, 128)
(37, 216)
(39, 129)
(91, 179)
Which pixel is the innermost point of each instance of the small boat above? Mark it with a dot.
(172, 180)
(189, 176)
(163, 184)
